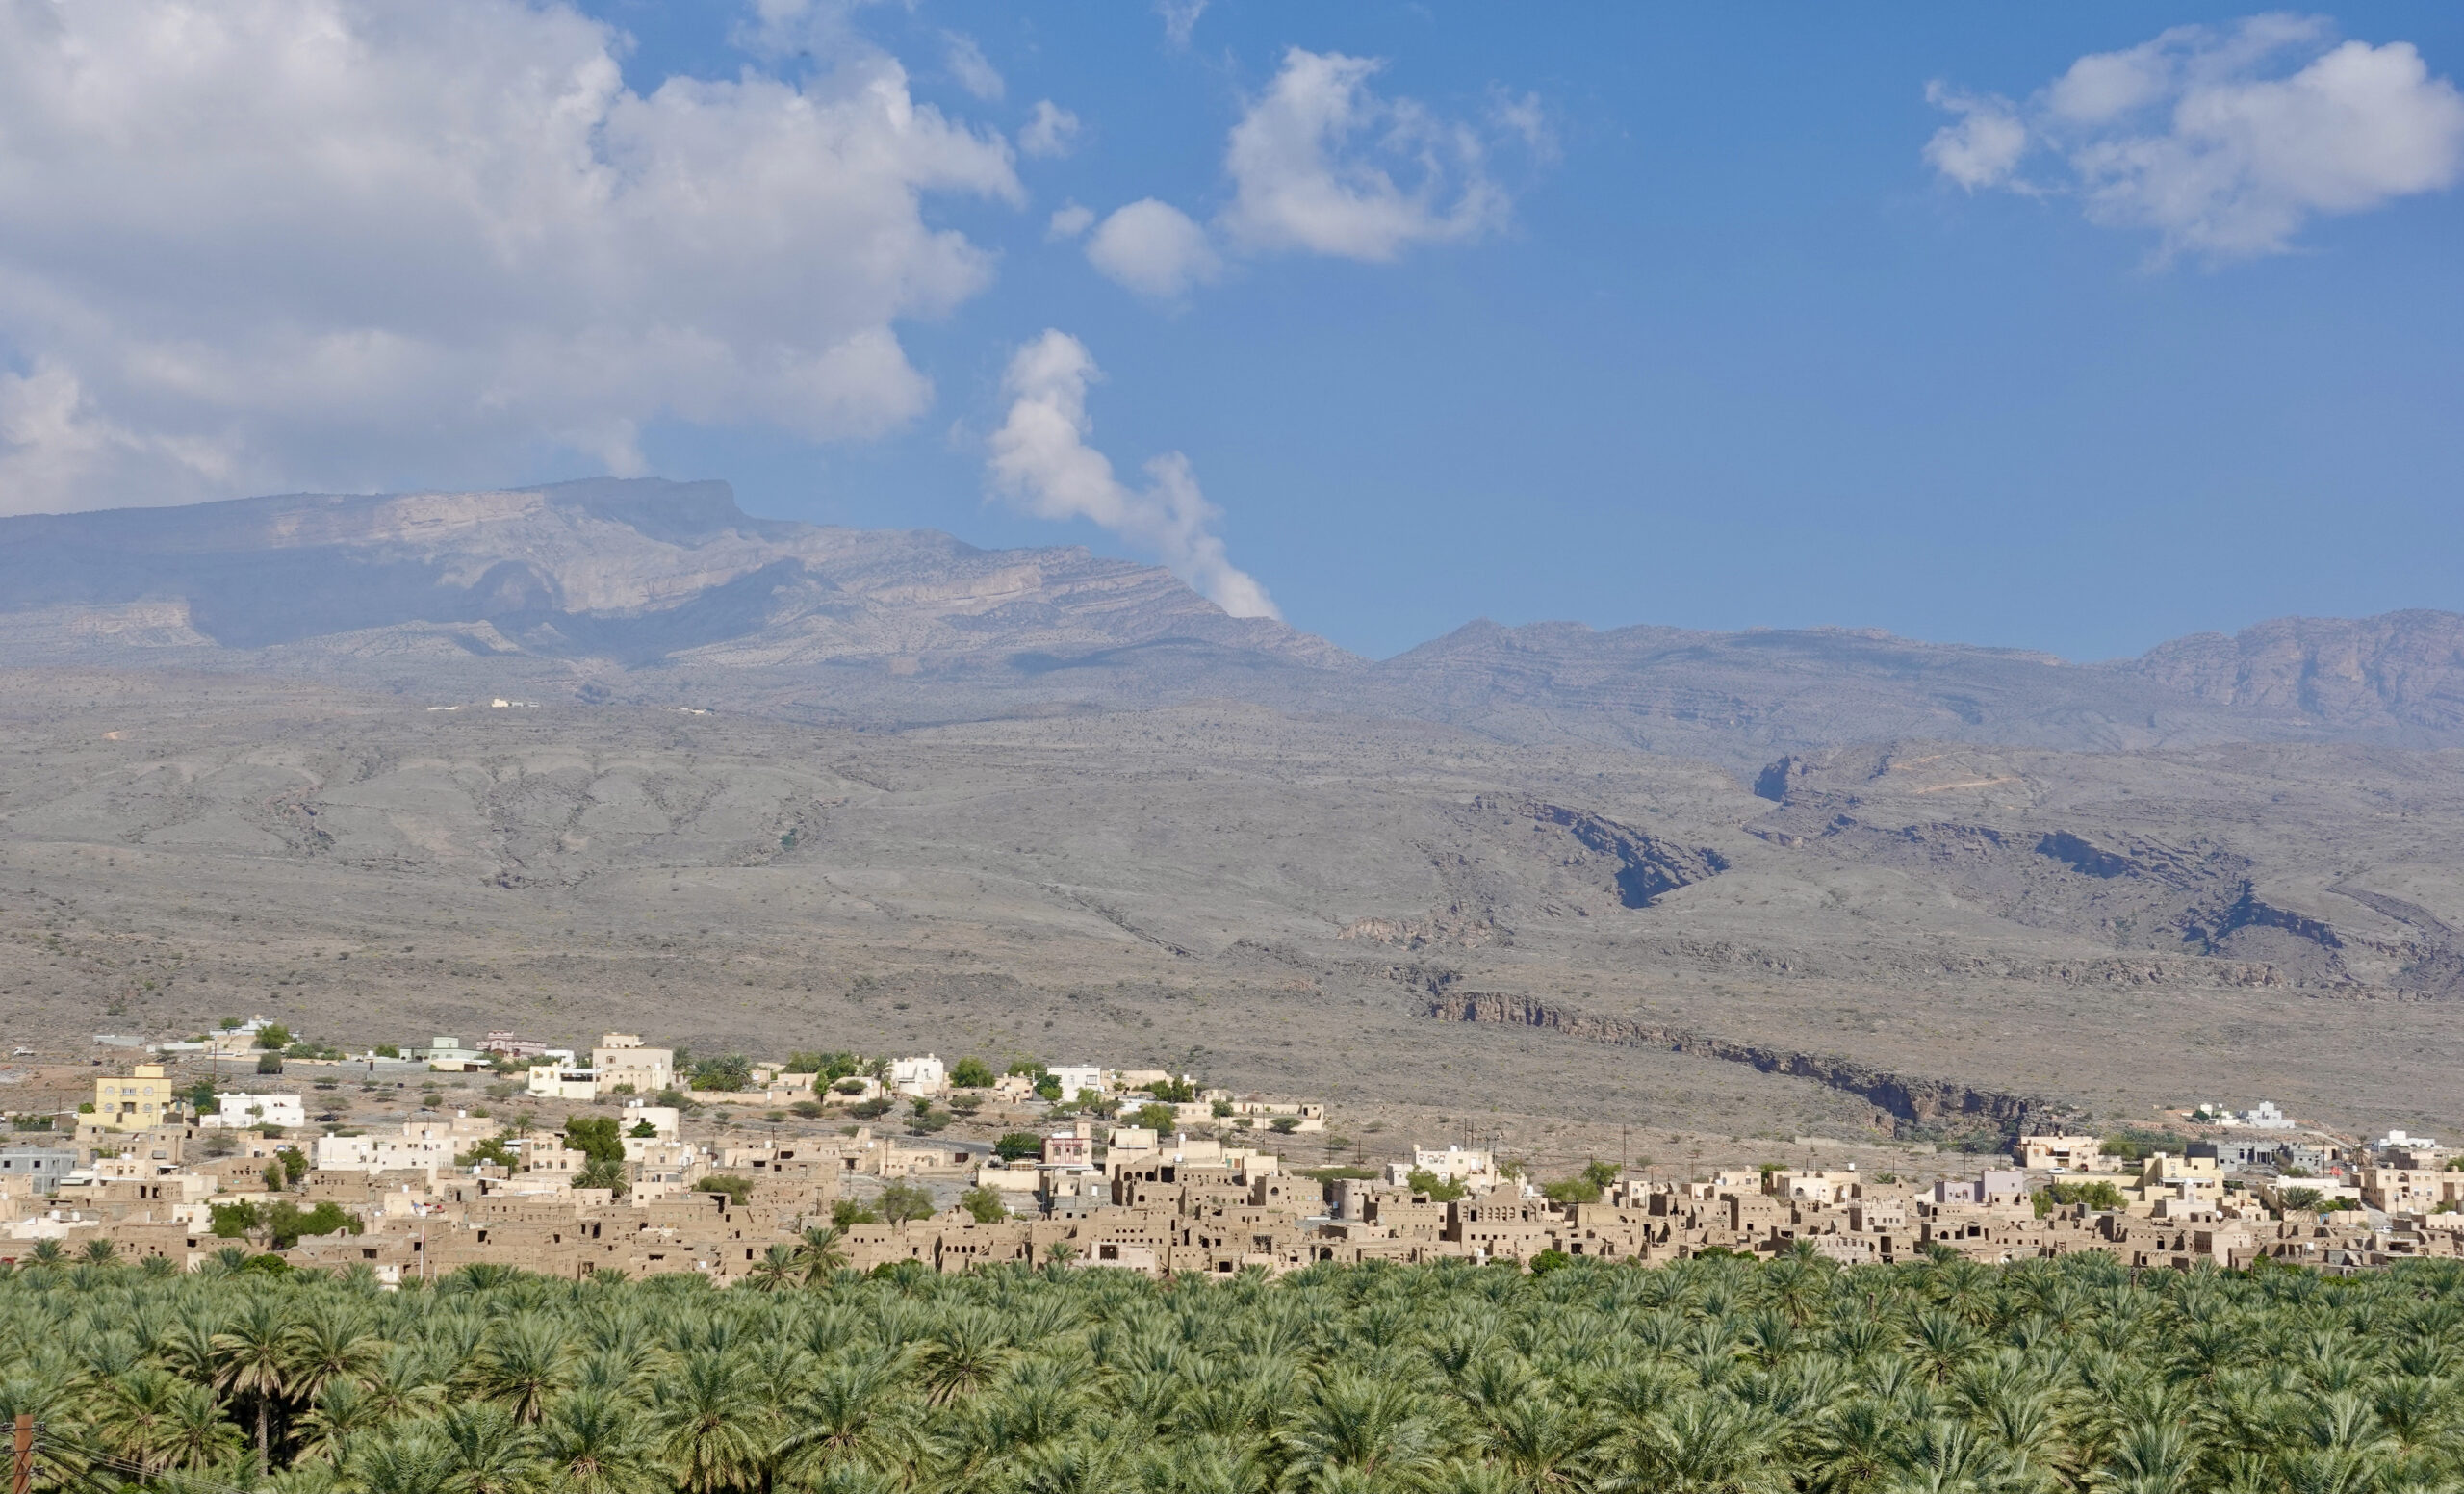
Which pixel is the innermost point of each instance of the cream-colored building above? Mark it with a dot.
(138, 1100)
(621, 1061)
(2060, 1153)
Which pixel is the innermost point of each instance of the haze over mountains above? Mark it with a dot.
(1770, 882)
(639, 588)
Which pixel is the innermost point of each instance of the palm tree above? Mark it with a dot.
(520, 1363)
(1712, 1443)
(346, 1410)
(592, 1443)
(775, 1271)
(963, 1357)
(852, 1411)
(819, 1254)
(331, 1343)
(710, 1427)
(1367, 1425)
(1550, 1443)
(413, 1462)
(490, 1449)
(252, 1357)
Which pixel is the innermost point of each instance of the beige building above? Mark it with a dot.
(621, 1061)
(140, 1100)
(2063, 1153)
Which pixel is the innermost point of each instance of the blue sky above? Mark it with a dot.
(1722, 346)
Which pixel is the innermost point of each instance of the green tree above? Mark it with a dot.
(1157, 1118)
(971, 1073)
(984, 1205)
(902, 1202)
(1019, 1145)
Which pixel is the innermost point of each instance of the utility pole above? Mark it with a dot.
(21, 1469)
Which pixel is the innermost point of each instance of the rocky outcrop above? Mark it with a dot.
(2400, 672)
(1911, 1102)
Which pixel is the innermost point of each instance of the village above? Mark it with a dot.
(637, 1159)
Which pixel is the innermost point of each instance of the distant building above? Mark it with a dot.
(244, 1112)
(2063, 1153)
(1995, 1185)
(140, 1100)
(42, 1167)
(921, 1077)
(448, 1055)
(2264, 1117)
(621, 1060)
(1076, 1079)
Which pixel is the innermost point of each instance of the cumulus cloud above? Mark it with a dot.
(254, 243)
(1180, 19)
(2224, 141)
(1051, 130)
(1041, 462)
(967, 64)
(1984, 147)
(1069, 221)
(1154, 249)
(1314, 164)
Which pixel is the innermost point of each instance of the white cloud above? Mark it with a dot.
(1180, 19)
(1983, 149)
(2224, 141)
(967, 64)
(1051, 130)
(254, 244)
(1069, 221)
(1314, 163)
(1041, 462)
(1154, 249)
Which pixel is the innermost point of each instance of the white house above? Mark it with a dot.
(922, 1077)
(563, 1081)
(2267, 1118)
(242, 1111)
(1076, 1079)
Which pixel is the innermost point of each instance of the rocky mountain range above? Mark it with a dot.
(788, 785)
(638, 588)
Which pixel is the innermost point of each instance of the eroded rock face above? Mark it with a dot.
(2401, 671)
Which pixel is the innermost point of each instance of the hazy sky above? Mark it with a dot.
(2073, 327)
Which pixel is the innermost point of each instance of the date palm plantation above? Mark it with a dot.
(1719, 1376)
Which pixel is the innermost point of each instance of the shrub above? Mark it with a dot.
(730, 1073)
(273, 1038)
(984, 1204)
(595, 1138)
(1438, 1189)
(269, 1063)
(1284, 1125)
(871, 1109)
(738, 1189)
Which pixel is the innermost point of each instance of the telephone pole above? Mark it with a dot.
(21, 1469)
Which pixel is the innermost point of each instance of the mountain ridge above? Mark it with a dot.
(645, 583)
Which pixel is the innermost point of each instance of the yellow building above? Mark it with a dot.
(138, 1102)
